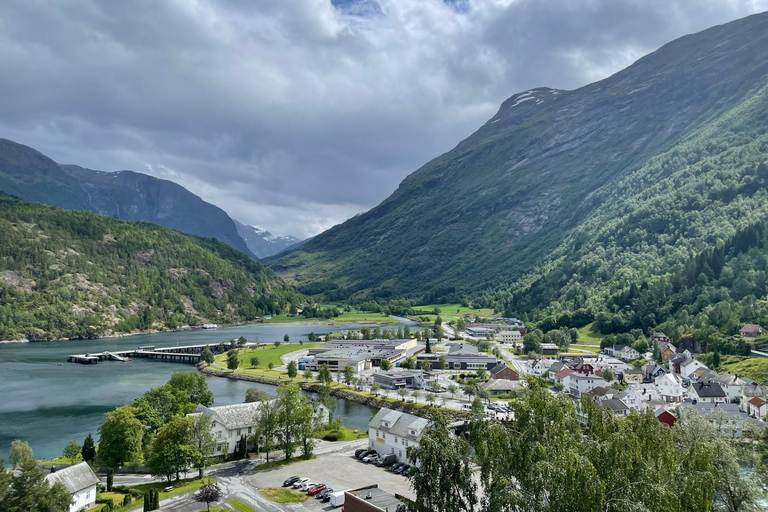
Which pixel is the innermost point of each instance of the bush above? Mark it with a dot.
(333, 435)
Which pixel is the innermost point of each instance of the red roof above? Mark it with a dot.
(758, 402)
(750, 328)
(564, 373)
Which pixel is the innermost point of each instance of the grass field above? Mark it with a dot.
(450, 312)
(191, 484)
(240, 506)
(755, 368)
(283, 495)
(267, 354)
(589, 337)
(353, 317)
(590, 348)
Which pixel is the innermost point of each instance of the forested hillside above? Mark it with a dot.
(78, 274)
(617, 182)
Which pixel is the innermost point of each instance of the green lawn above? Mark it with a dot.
(283, 495)
(181, 487)
(590, 348)
(589, 337)
(267, 354)
(282, 462)
(451, 311)
(755, 368)
(240, 506)
(116, 497)
(345, 318)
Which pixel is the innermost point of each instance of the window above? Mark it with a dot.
(218, 449)
(249, 430)
(218, 434)
(238, 432)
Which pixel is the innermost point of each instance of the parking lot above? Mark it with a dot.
(337, 469)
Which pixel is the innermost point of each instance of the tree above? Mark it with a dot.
(207, 355)
(209, 493)
(439, 333)
(256, 395)
(271, 365)
(532, 341)
(20, 452)
(444, 480)
(453, 389)
(241, 341)
(110, 479)
(324, 374)
(416, 394)
(71, 451)
(312, 336)
(173, 449)
(286, 339)
(28, 491)
(194, 387)
(203, 441)
(255, 361)
(120, 438)
(431, 398)
(460, 325)
(232, 360)
(266, 430)
(481, 374)
(407, 332)
(608, 375)
(289, 409)
(375, 388)
(426, 366)
(386, 365)
(442, 362)
(409, 363)
(349, 374)
(88, 451)
(292, 369)
(307, 374)
(402, 392)
(478, 409)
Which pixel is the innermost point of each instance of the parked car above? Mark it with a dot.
(402, 469)
(322, 494)
(306, 485)
(298, 483)
(396, 466)
(365, 454)
(291, 481)
(373, 457)
(327, 495)
(359, 451)
(316, 489)
(408, 472)
(388, 459)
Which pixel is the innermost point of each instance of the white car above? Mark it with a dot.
(299, 483)
(371, 458)
(306, 485)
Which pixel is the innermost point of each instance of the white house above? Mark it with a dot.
(670, 387)
(394, 431)
(576, 383)
(707, 392)
(510, 337)
(538, 366)
(731, 384)
(80, 481)
(624, 352)
(757, 407)
(229, 423)
(689, 367)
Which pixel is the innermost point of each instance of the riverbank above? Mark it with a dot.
(338, 391)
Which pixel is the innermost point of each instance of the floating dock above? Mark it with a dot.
(182, 354)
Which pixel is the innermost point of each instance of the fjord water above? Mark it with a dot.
(49, 405)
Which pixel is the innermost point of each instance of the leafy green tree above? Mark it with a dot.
(232, 360)
(312, 336)
(375, 388)
(20, 452)
(255, 361)
(532, 341)
(267, 428)
(28, 491)
(416, 394)
(293, 369)
(409, 363)
(444, 480)
(453, 389)
(307, 374)
(349, 374)
(286, 338)
(481, 374)
(478, 409)
(88, 452)
(120, 438)
(426, 366)
(608, 375)
(402, 393)
(271, 365)
(442, 362)
(256, 395)
(207, 355)
(242, 341)
(324, 374)
(386, 365)
(194, 387)
(209, 493)
(277, 344)
(110, 479)
(71, 452)
(203, 442)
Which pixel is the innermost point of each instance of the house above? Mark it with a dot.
(549, 349)
(652, 371)
(689, 367)
(731, 384)
(576, 383)
(750, 391)
(616, 406)
(460, 356)
(559, 377)
(751, 331)
(757, 407)
(660, 337)
(510, 337)
(707, 392)
(540, 366)
(394, 431)
(80, 481)
(631, 397)
(582, 366)
(481, 332)
(666, 417)
(624, 352)
(667, 351)
(502, 371)
(670, 387)
(396, 379)
(371, 499)
(338, 360)
(496, 387)
(229, 423)
(632, 376)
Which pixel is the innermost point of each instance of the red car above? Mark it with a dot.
(316, 489)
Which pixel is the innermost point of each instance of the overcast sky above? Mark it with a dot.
(295, 115)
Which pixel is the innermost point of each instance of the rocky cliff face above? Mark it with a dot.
(497, 205)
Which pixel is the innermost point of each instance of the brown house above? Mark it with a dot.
(502, 371)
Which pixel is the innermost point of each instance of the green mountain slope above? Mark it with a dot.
(129, 195)
(78, 274)
(497, 206)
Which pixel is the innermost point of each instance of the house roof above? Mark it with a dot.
(400, 423)
(233, 416)
(599, 391)
(564, 373)
(498, 368)
(376, 498)
(618, 348)
(679, 359)
(556, 366)
(709, 390)
(614, 404)
(462, 349)
(499, 385)
(74, 478)
(749, 328)
(757, 402)
(754, 390)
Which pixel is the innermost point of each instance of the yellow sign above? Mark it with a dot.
(380, 440)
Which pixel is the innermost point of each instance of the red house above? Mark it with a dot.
(666, 417)
(502, 371)
(580, 366)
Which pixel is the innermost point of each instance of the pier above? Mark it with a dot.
(182, 354)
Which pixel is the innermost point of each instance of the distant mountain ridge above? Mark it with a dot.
(262, 243)
(128, 195)
(504, 202)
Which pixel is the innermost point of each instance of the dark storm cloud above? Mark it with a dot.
(296, 114)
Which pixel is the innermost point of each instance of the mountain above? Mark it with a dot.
(262, 243)
(75, 274)
(557, 171)
(128, 195)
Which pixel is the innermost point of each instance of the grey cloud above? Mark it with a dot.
(294, 115)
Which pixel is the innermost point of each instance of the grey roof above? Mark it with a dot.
(709, 390)
(753, 389)
(498, 368)
(727, 380)
(233, 416)
(399, 423)
(462, 349)
(556, 366)
(74, 478)
(614, 404)
(499, 385)
(379, 499)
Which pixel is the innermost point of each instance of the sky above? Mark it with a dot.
(295, 115)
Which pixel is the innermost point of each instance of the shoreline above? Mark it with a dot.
(371, 401)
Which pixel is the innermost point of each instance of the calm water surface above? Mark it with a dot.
(49, 405)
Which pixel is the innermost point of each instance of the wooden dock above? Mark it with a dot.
(182, 354)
